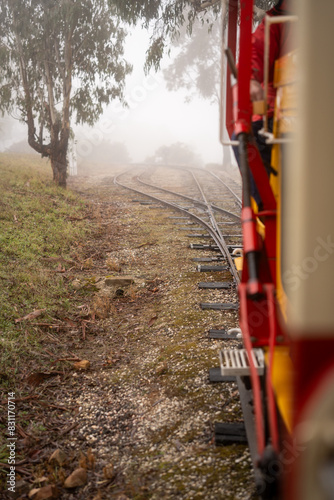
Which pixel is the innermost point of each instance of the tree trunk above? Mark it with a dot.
(58, 159)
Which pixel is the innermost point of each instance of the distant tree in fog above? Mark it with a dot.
(177, 153)
(196, 65)
(107, 153)
(59, 60)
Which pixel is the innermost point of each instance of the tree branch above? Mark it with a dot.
(28, 99)
(49, 85)
(203, 5)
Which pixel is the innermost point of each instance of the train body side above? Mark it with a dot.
(286, 299)
(308, 255)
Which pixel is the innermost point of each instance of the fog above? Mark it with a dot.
(154, 117)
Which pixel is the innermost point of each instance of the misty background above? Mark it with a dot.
(155, 118)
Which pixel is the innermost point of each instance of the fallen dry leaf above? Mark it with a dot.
(69, 322)
(60, 269)
(31, 315)
(77, 478)
(83, 461)
(82, 365)
(61, 475)
(91, 459)
(46, 493)
(59, 457)
(108, 471)
(39, 377)
(33, 492)
(146, 244)
(40, 479)
(152, 320)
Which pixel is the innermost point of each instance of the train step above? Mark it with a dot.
(217, 285)
(236, 362)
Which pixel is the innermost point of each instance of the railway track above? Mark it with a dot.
(210, 204)
(207, 201)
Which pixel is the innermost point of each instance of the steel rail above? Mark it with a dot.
(189, 169)
(215, 226)
(220, 244)
(193, 200)
(238, 200)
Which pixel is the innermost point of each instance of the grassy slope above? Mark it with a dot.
(37, 221)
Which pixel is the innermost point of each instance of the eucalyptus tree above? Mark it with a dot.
(59, 61)
(173, 21)
(165, 19)
(196, 64)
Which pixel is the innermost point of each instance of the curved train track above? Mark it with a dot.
(214, 204)
(210, 202)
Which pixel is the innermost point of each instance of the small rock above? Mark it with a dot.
(82, 365)
(77, 478)
(76, 284)
(119, 281)
(59, 457)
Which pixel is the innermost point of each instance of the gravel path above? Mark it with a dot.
(142, 424)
